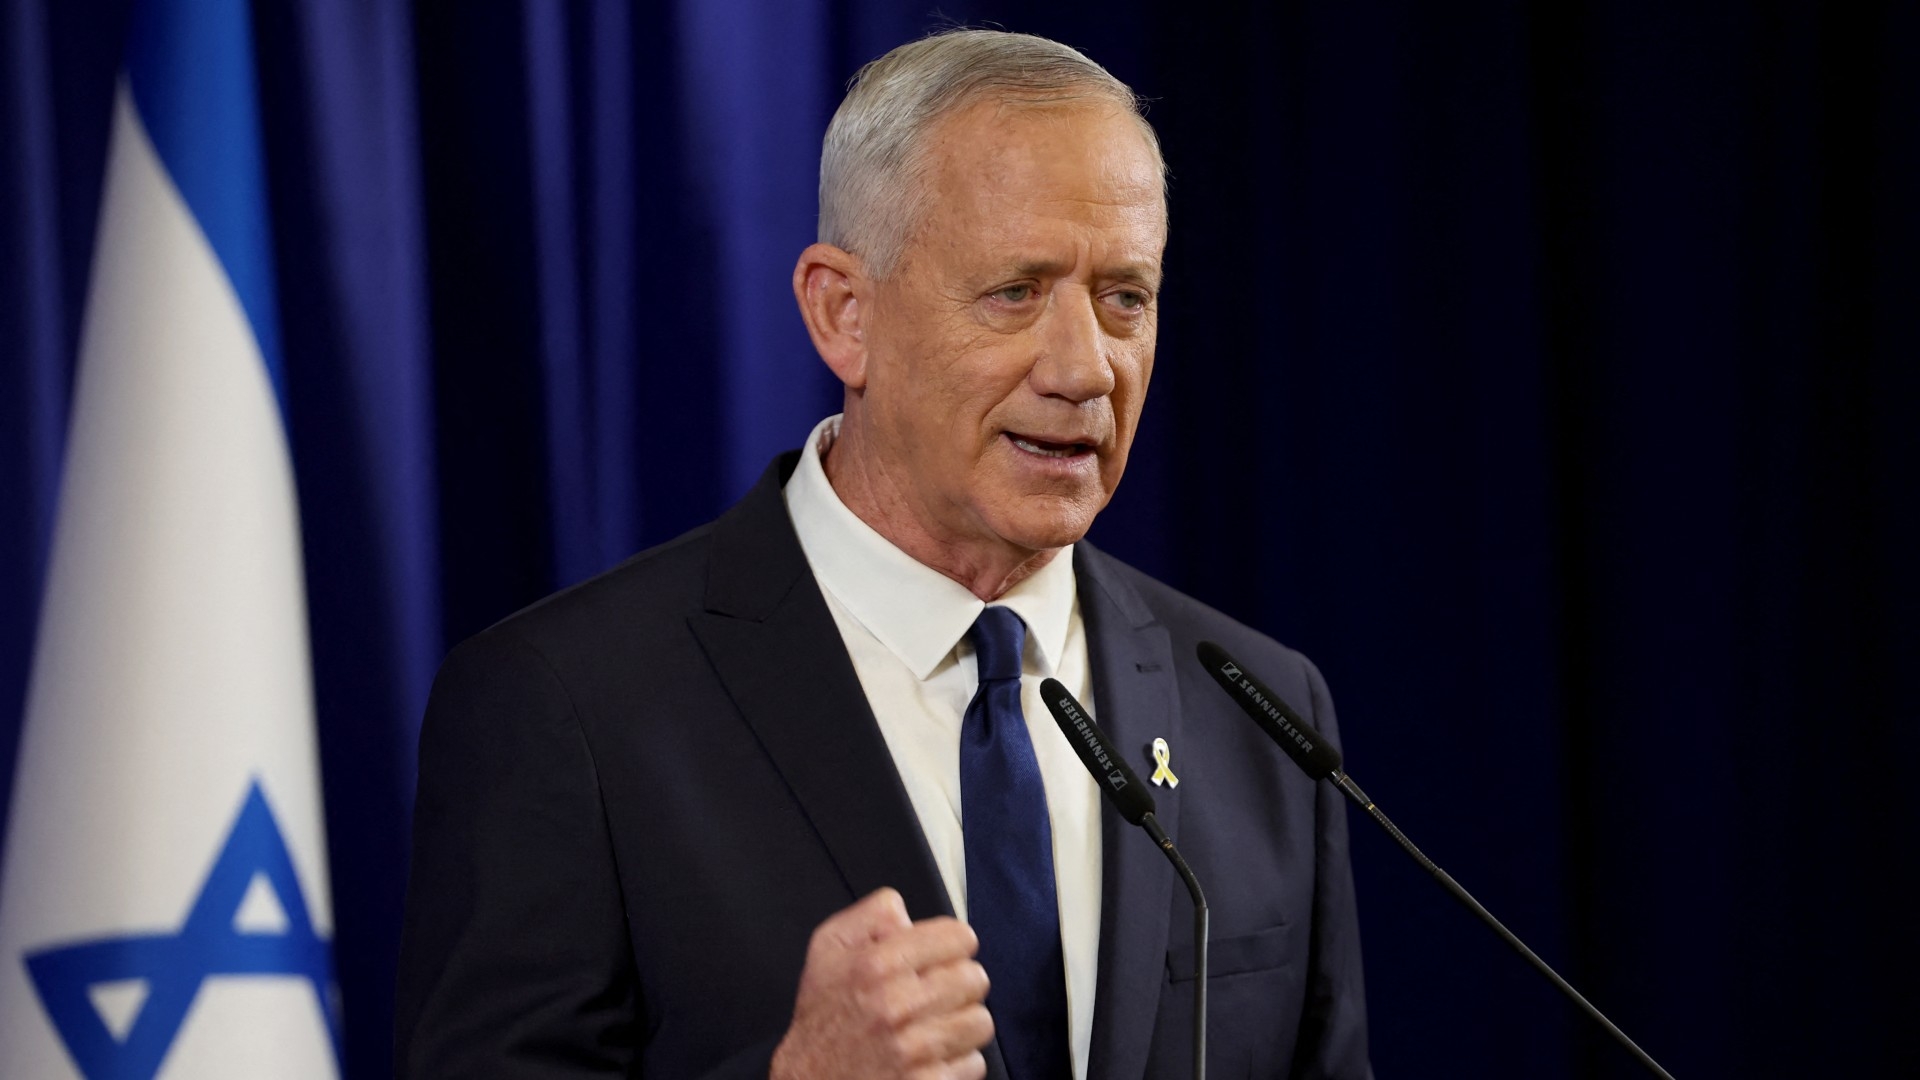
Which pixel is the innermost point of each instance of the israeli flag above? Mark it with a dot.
(164, 899)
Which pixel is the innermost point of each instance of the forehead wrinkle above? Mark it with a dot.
(1104, 257)
(1139, 273)
(1147, 274)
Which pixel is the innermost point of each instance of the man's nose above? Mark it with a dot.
(1073, 360)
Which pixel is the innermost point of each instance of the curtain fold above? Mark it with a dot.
(36, 380)
(344, 178)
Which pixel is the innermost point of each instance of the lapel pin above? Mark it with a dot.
(1161, 773)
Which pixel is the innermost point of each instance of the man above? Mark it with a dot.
(714, 813)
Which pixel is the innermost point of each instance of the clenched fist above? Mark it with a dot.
(884, 997)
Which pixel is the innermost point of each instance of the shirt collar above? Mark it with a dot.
(917, 612)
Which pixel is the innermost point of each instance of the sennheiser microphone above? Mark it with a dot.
(1135, 804)
(1321, 761)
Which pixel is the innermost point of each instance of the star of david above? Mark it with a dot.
(173, 966)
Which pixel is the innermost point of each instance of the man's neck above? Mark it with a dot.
(986, 569)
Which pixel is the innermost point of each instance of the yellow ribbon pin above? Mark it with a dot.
(1162, 774)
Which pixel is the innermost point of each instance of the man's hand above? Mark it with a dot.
(885, 997)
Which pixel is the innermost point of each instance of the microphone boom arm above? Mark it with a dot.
(1345, 783)
(1322, 762)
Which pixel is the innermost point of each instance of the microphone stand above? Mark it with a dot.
(1152, 825)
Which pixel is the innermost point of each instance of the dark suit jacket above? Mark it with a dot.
(638, 798)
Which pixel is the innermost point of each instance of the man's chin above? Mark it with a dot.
(1045, 532)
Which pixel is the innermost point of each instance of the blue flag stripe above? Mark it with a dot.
(190, 69)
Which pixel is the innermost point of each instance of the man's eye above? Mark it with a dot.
(1130, 300)
(1015, 294)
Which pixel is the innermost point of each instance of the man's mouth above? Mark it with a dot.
(1046, 448)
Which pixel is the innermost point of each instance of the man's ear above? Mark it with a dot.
(834, 296)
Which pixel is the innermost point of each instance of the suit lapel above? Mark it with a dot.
(1135, 701)
(778, 652)
(776, 648)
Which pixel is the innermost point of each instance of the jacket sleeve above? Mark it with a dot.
(1333, 1029)
(514, 957)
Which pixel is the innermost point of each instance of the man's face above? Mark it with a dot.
(1009, 352)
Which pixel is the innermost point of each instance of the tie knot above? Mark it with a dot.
(998, 636)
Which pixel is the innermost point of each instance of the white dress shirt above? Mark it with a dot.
(905, 626)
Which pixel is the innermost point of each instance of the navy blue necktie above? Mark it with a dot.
(1010, 896)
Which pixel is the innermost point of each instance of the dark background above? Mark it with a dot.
(1547, 373)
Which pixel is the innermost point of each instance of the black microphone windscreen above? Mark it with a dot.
(1129, 796)
(1282, 724)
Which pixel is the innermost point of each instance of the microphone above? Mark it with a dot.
(1320, 760)
(1135, 804)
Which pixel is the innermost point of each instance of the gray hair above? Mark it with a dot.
(871, 190)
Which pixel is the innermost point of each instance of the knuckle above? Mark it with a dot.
(892, 1008)
(873, 966)
(870, 1005)
(969, 1066)
(891, 1005)
(963, 944)
(977, 982)
(976, 1025)
(911, 1047)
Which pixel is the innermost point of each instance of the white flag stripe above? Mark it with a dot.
(172, 667)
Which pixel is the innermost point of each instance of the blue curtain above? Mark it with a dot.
(1547, 372)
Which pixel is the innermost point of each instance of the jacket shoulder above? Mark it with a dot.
(650, 591)
(1186, 618)
(1189, 622)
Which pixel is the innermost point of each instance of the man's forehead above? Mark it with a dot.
(1028, 236)
(1044, 235)
(1000, 134)
(1097, 157)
